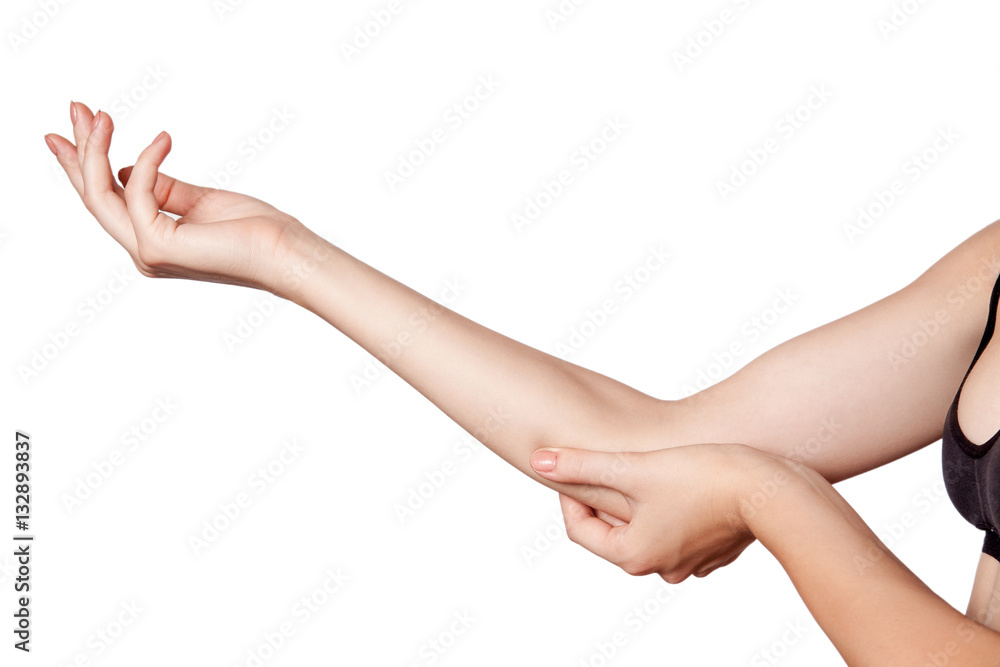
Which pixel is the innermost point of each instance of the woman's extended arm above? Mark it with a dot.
(835, 386)
(508, 395)
(874, 610)
(844, 398)
(512, 397)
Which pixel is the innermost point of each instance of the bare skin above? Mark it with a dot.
(831, 398)
(874, 610)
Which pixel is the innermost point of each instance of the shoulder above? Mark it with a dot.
(958, 287)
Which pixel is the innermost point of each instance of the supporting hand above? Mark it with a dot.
(686, 517)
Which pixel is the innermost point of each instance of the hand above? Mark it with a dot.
(221, 236)
(685, 501)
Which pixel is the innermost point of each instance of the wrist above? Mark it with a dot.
(772, 491)
(757, 481)
(302, 254)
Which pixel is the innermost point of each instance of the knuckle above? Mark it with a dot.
(611, 471)
(134, 181)
(129, 190)
(572, 465)
(674, 576)
(636, 565)
(593, 471)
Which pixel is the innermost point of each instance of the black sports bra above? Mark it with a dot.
(971, 471)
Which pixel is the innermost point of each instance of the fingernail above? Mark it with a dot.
(72, 112)
(51, 144)
(97, 121)
(543, 461)
(160, 137)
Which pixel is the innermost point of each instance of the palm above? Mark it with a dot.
(171, 228)
(220, 236)
(219, 205)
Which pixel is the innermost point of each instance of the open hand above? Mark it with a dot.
(220, 236)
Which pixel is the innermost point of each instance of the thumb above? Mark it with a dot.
(172, 195)
(614, 470)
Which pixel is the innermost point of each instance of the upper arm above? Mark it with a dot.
(849, 396)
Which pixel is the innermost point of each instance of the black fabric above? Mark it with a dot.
(971, 471)
(992, 544)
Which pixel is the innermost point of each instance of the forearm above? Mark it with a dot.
(508, 395)
(875, 611)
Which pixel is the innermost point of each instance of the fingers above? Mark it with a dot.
(593, 534)
(608, 518)
(99, 188)
(171, 195)
(143, 208)
(86, 164)
(579, 466)
(65, 153)
(127, 214)
(83, 121)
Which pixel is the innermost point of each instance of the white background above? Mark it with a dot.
(222, 76)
